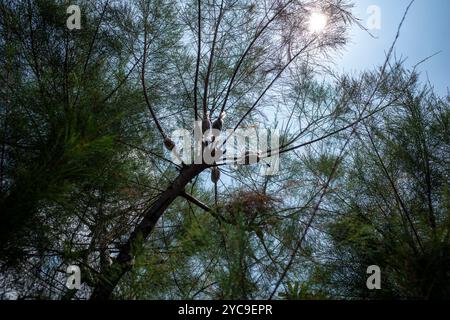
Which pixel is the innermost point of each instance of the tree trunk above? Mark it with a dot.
(109, 279)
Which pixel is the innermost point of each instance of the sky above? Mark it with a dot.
(425, 32)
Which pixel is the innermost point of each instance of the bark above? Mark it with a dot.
(109, 279)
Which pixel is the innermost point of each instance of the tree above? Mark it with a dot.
(85, 116)
(238, 61)
(392, 209)
(65, 178)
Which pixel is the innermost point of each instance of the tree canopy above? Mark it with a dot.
(87, 177)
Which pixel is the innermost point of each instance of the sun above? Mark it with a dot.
(317, 22)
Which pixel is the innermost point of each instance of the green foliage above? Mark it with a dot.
(300, 291)
(81, 160)
(396, 211)
(59, 132)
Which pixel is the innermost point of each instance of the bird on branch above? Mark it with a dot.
(251, 157)
(215, 177)
(218, 123)
(206, 126)
(170, 145)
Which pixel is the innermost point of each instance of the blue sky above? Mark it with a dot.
(425, 32)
